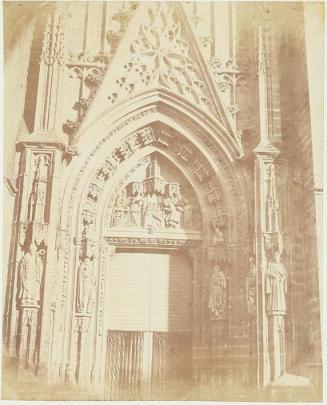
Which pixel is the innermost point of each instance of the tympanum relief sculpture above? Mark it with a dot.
(154, 203)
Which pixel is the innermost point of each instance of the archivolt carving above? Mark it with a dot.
(183, 150)
(166, 211)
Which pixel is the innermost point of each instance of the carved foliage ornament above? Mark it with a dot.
(54, 39)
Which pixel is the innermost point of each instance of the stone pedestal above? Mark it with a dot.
(290, 388)
(27, 336)
(276, 333)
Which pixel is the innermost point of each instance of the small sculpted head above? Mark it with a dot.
(277, 257)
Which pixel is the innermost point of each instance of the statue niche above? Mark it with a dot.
(37, 198)
(153, 203)
(30, 271)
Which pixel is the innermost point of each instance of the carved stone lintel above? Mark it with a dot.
(164, 242)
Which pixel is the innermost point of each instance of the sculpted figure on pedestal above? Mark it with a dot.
(276, 286)
(218, 293)
(30, 273)
(85, 297)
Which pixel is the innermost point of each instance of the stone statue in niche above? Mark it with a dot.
(37, 199)
(217, 235)
(218, 293)
(153, 204)
(250, 287)
(85, 296)
(42, 167)
(30, 271)
(276, 286)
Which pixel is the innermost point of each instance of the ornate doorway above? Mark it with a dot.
(148, 316)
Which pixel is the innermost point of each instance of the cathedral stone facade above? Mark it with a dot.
(163, 200)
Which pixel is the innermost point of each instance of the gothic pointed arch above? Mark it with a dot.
(195, 152)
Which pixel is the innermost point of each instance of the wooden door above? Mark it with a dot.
(148, 317)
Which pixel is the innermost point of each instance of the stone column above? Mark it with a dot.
(35, 218)
(199, 356)
(83, 300)
(267, 227)
(276, 289)
(265, 160)
(99, 360)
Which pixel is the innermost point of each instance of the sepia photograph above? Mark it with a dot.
(162, 201)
